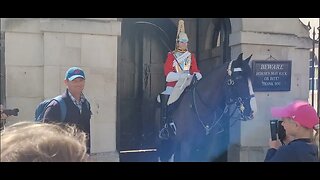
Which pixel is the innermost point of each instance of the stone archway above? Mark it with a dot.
(141, 78)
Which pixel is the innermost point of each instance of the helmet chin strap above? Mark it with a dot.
(182, 49)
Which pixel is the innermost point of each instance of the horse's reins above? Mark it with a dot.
(214, 123)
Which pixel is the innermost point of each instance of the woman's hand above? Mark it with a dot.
(274, 144)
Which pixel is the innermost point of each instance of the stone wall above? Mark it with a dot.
(268, 39)
(39, 51)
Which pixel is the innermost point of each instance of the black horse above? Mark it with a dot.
(205, 108)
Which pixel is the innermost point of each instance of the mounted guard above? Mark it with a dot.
(179, 69)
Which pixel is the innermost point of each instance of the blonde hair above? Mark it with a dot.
(316, 139)
(42, 142)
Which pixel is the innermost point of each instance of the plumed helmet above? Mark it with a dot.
(181, 34)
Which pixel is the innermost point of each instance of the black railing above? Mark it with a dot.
(314, 58)
(318, 102)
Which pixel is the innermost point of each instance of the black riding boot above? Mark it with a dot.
(168, 125)
(164, 133)
(164, 108)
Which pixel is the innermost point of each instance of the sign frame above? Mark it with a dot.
(271, 75)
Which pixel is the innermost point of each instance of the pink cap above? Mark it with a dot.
(300, 111)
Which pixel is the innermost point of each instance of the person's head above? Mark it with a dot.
(75, 80)
(298, 117)
(183, 41)
(43, 142)
(182, 38)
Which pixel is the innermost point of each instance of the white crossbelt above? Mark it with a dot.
(183, 56)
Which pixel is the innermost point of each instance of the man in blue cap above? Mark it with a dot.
(78, 108)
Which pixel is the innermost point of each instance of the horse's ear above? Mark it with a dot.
(240, 57)
(248, 59)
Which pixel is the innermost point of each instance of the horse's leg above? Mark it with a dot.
(166, 149)
(185, 151)
(171, 158)
(216, 147)
(164, 146)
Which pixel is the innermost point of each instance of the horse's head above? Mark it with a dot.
(239, 87)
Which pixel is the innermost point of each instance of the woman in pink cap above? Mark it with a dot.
(300, 120)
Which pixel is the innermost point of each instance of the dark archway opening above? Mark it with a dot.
(142, 52)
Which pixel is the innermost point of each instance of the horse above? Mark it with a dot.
(204, 110)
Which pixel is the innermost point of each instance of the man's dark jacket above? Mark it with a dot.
(73, 116)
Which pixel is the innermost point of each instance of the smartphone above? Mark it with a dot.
(274, 129)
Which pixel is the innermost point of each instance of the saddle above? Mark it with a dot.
(169, 128)
(179, 88)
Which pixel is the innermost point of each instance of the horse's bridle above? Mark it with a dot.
(238, 102)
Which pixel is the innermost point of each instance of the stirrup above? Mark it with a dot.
(164, 133)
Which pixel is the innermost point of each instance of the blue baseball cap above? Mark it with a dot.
(73, 73)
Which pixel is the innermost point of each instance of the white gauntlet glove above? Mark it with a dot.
(198, 75)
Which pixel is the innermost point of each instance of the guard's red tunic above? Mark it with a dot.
(169, 67)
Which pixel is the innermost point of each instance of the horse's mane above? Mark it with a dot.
(239, 62)
(216, 70)
(218, 76)
(205, 81)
